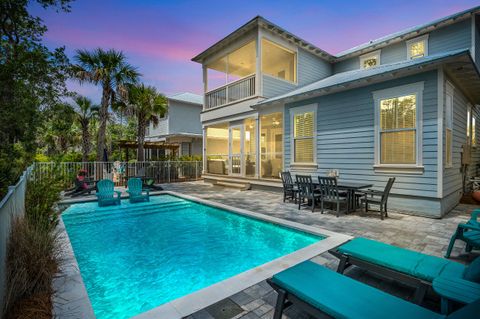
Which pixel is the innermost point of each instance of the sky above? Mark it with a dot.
(160, 37)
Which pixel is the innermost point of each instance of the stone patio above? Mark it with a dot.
(430, 236)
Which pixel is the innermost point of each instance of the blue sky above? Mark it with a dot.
(160, 37)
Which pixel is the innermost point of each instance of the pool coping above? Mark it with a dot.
(200, 299)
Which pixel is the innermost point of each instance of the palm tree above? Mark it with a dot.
(146, 105)
(84, 113)
(110, 70)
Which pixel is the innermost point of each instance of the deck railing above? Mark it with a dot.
(11, 206)
(120, 172)
(234, 91)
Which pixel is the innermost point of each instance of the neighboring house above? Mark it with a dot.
(179, 126)
(404, 105)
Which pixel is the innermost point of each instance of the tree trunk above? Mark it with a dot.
(141, 139)
(85, 142)
(103, 117)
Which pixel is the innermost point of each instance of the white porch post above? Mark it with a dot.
(204, 150)
(257, 146)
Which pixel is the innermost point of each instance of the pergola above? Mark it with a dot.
(159, 145)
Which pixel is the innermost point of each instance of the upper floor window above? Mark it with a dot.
(370, 60)
(278, 61)
(398, 125)
(418, 47)
(233, 66)
(304, 132)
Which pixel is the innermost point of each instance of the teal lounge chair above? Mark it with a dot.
(403, 265)
(318, 291)
(106, 193)
(136, 192)
(468, 232)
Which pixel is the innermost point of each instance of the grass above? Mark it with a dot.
(33, 253)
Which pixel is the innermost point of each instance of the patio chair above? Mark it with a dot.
(319, 291)
(136, 192)
(290, 190)
(330, 194)
(403, 265)
(81, 188)
(106, 193)
(378, 198)
(307, 191)
(468, 232)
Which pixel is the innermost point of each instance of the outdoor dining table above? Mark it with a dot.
(350, 188)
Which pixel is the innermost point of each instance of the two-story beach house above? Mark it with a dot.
(404, 105)
(180, 126)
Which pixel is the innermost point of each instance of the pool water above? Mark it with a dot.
(135, 257)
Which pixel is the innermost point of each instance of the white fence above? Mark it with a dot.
(120, 172)
(11, 206)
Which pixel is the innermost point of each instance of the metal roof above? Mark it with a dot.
(187, 97)
(362, 77)
(408, 33)
(261, 22)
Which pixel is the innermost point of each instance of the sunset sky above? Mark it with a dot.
(160, 37)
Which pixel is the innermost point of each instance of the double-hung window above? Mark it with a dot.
(449, 125)
(398, 130)
(304, 130)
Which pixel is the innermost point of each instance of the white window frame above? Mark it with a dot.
(410, 42)
(409, 89)
(449, 95)
(374, 54)
(300, 110)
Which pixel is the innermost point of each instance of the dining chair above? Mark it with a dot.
(330, 194)
(379, 198)
(306, 190)
(290, 190)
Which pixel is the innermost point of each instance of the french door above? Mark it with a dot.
(236, 142)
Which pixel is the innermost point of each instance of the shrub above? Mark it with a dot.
(33, 253)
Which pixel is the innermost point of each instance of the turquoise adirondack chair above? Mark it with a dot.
(468, 232)
(136, 192)
(106, 193)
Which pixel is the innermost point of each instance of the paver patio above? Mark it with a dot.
(430, 236)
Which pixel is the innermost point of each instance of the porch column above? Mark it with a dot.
(204, 149)
(257, 146)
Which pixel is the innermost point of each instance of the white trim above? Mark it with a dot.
(409, 43)
(374, 54)
(440, 102)
(417, 90)
(297, 110)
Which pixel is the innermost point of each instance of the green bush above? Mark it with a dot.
(33, 252)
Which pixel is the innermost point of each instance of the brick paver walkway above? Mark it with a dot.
(430, 236)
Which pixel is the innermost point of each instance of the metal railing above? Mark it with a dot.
(120, 172)
(234, 91)
(11, 206)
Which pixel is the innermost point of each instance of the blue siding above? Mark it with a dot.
(454, 37)
(184, 118)
(311, 68)
(273, 87)
(345, 137)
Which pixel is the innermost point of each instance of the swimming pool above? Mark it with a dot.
(136, 257)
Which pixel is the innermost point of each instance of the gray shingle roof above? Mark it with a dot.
(187, 97)
(355, 75)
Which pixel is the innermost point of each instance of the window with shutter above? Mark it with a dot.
(303, 134)
(449, 125)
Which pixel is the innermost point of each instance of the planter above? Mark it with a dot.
(476, 195)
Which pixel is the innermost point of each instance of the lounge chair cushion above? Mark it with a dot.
(342, 297)
(407, 261)
(472, 272)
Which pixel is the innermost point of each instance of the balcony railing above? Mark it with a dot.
(234, 91)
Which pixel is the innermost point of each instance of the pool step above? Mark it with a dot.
(237, 185)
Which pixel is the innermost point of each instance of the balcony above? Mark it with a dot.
(232, 92)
